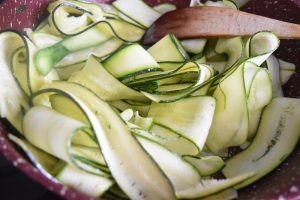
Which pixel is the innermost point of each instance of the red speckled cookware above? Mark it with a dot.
(282, 183)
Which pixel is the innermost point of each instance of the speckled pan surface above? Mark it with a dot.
(282, 183)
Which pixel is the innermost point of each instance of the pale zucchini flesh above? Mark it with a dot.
(207, 165)
(173, 141)
(208, 187)
(277, 135)
(183, 176)
(138, 11)
(84, 182)
(105, 122)
(168, 49)
(191, 117)
(130, 60)
(46, 163)
(95, 77)
(231, 105)
(227, 194)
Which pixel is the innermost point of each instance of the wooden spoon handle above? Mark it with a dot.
(207, 22)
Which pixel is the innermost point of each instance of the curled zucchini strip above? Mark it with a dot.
(118, 146)
(137, 11)
(207, 187)
(56, 170)
(46, 163)
(207, 165)
(287, 70)
(12, 98)
(277, 135)
(56, 134)
(259, 95)
(101, 30)
(95, 77)
(190, 117)
(95, 17)
(203, 74)
(168, 49)
(183, 176)
(129, 61)
(17, 58)
(93, 36)
(65, 12)
(171, 140)
(77, 14)
(232, 103)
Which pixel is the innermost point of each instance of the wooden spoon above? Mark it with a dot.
(209, 22)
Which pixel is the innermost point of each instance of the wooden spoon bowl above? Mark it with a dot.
(209, 22)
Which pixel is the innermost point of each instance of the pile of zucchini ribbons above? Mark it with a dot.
(99, 112)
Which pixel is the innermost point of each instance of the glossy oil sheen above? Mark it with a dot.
(282, 183)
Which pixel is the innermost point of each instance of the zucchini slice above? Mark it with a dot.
(100, 51)
(134, 120)
(285, 76)
(231, 99)
(203, 75)
(26, 73)
(260, 95)
(118, 146)
(210, 51)
(46, 163)
(173, 141)
(212, 186)
(95, 77)
(130, 61)
(286, 71)
(207, 165)
(50, 131)
(277, 135)
(92, 36)
(66, 72)
(227, 194)
(65, 106)
(273, 66)
(231, 106)
(53, 133)
(138, 11)
(168, 49)
(45, 59)
(43, 40)
(284, 65)
(56, 170)
(12, 99)
(75, 15)
(84, 182)
(79, 15)
(195, 46)
(260, 47)
(24, 66)
(232, 47)
(190, 117)
(183, 176)
(123, 105)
